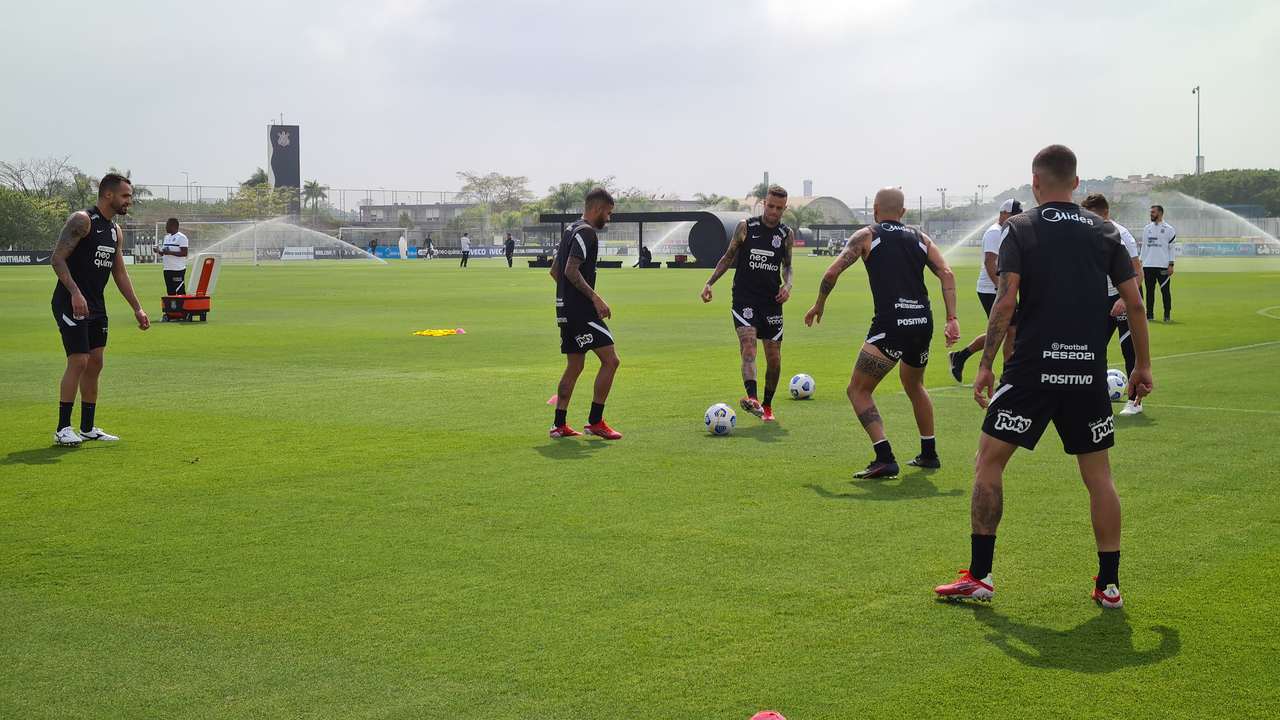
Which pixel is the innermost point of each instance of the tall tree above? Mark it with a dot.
(43, 177)
(803, 216)
(312, 193)
(502, 192)
(571, 195)
(257, 179)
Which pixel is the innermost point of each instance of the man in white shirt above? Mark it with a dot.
(987, 286)
(466, 249)
(173, 255)
(1097, 204)
(1158, 239)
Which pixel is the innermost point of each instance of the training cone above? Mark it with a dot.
(553, 399)
(768, 715)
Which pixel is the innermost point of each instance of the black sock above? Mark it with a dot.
(768, 396)
(929, 446)
(750, 385)
(1108, 569)
(884, 452)
(981, 549)
(64, 414)
(86, 415)
(597, 413)
(562, 417)
(963, 354)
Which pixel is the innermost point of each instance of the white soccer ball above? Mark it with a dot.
(802, 387)
(721, 419)
(1117, 383)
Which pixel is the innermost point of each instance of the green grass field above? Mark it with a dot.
(314, 513)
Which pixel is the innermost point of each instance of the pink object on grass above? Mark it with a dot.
(768, 715)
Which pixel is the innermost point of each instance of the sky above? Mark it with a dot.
(668, 97)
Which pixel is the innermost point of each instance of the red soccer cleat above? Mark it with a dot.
(602, 430)
(1108, 599)
(967, 587)
(564, 431)
(767, 415)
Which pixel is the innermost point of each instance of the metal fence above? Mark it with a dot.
(343, 200)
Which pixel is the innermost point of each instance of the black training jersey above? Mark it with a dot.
(580, 241)
(1063, 255)
(758, 275)
(90, 264)
(895, 267)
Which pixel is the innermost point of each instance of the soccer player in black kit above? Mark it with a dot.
(580, 313)
(896, 256)
(1055, 261)
(89, 251)
(760, 253)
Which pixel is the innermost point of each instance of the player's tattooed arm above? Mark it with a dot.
(787, 249)
(573, 273)
(784, 292)
(1001, 315)
(121, 274)
(75, 229)
(730, 254)
(853, 249)
(555, 270)
(940, 267)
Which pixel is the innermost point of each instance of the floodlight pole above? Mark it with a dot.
(1199, 158)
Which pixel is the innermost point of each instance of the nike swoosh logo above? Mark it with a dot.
(42, 259)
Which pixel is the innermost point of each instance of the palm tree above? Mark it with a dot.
(803, 216)
(258, 178)
(139, 191)
(313, 192)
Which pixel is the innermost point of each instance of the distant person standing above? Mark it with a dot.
(466, 249)
(1157, 260)
(373, 247)
(404, 247)
(431, 247)
(173, 255)
(509, 248)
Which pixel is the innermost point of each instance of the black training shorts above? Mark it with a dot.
(909, 343)
(579, 334)
(1082, 416)
(80, 336)
(987, 300)
(764, 316)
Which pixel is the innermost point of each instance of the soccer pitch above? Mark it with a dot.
(314, 513)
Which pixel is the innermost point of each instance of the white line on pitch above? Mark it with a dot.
(1219, 350)
(1220, 409)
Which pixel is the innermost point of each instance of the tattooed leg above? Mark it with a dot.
(870, 369)
(987, 504)
(773, 367)
(747, 347)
